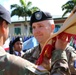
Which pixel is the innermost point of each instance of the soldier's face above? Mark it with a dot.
(18, 46)
(42, 30)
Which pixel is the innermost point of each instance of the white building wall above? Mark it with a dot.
(24, 29)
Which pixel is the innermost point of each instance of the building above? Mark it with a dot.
(58, 23)
(19, 29)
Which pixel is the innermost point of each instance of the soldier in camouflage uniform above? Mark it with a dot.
(42, 26)
(11, 64)
(41, 23)
(70, 51)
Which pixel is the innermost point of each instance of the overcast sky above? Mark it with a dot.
(52, 6)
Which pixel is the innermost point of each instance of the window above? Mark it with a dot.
(17, 30)
(57, 27)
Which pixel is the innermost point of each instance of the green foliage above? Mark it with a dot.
(68, 6)
(23, 3)
(23, 10)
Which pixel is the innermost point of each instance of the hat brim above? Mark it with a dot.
(69, 26)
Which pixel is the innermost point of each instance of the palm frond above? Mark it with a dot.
(29, 4)
(22, 10)
(18, 11)
(14, 6)
(23, 3)
(65, 13)
(68, 6)
(33, 9)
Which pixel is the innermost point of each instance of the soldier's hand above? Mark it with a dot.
(61, 43)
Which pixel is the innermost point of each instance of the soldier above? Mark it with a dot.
(43, 26)
(10, 64)
(17, 44)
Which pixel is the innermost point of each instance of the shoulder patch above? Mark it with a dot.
(38, 15)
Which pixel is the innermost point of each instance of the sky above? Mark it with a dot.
(52, 6)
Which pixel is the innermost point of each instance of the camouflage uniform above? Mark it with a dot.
(15, 65)
(59, 60)
(71, 55)
(32, 54)
(59, 63)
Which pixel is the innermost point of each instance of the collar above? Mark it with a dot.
(16, 52)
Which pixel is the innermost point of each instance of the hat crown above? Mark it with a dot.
(17, 39)
(40, 16)
(5, 14)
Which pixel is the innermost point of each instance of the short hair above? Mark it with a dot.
(51, 21)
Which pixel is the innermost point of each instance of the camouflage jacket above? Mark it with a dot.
(62, 61)
(32, 54)
(15, 65)
(57, 61)
(71, 55)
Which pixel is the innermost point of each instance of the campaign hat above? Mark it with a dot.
(5, 14)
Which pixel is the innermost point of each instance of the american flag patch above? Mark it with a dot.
(75, 64)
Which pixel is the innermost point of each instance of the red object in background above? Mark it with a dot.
(6, 45)
(6, 49)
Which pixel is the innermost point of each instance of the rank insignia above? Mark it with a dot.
(38, 15)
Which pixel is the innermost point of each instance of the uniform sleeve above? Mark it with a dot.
(71, 55)
(59, 63)
(28, 53)
(32, 54)
(19, 66)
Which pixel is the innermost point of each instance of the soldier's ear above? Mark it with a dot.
(3, 26)
(52, 27)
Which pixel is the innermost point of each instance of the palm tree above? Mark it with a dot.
(68, 7)
(24, 10)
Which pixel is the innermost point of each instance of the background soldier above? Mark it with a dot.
(17, 44)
